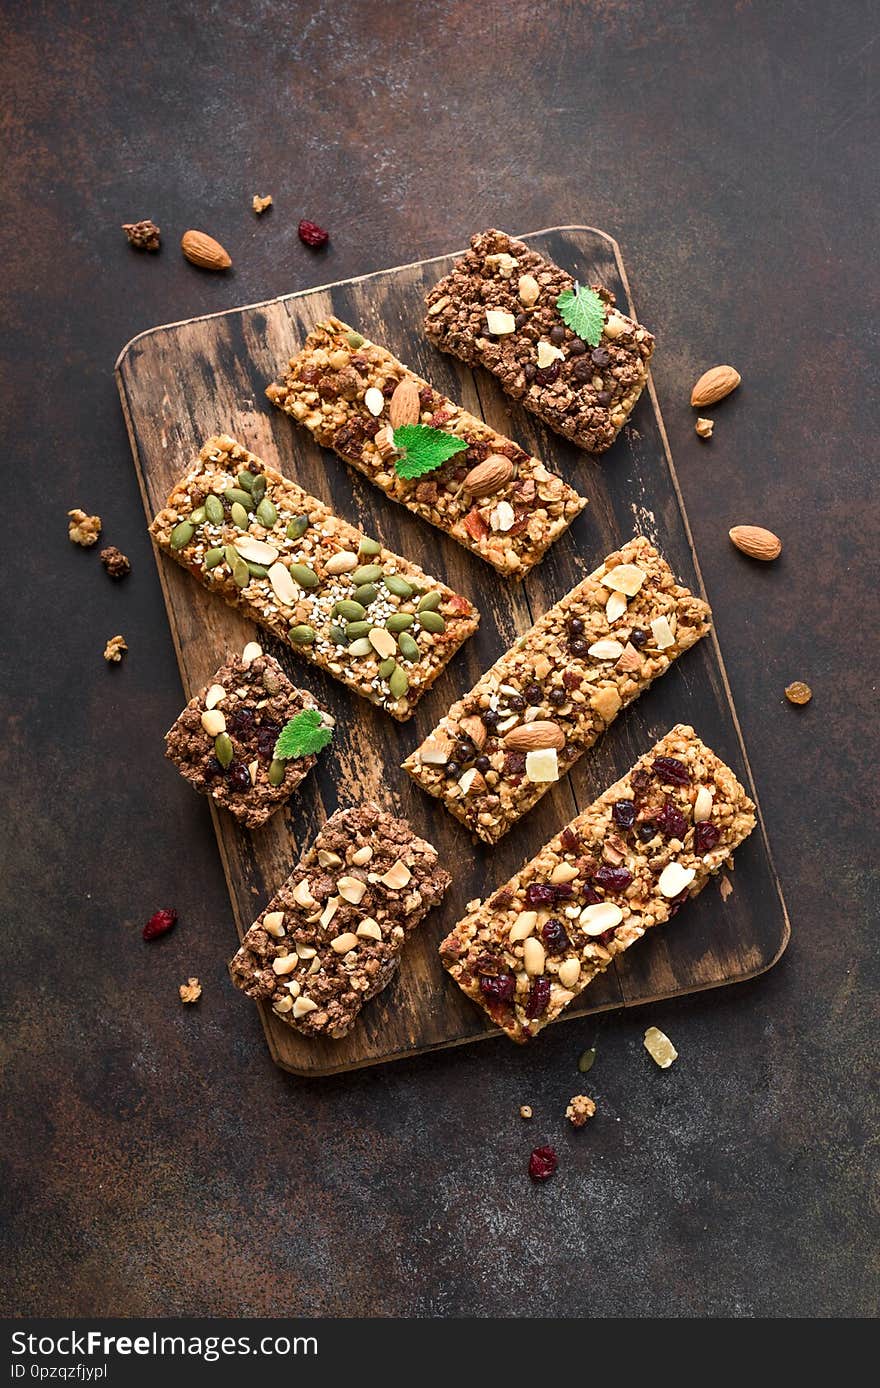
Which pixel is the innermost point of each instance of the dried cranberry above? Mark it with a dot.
(706, 836)
(312, 235)
(241, 719)
(265, 741)
(613, 879)
(498, 989)
(571, 680)
(160, 924)
(514, 763)
(638, 638)
(539, 996)
(557, 696)
(213, 769)
(563, 891)
(554, 936)
(672, 770)
(599, 356)
(569, 841)
(545, 376)
(540, 894)
(589, 897)
(640, 780)
(238, 777)
(533, 693)
(646, 831)
(671, 821)
(543, 1163)
(623, 812)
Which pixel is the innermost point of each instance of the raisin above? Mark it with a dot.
(623, 812)
(706, 837)
(539, 996)
(312, 235)
(671, 822)
(554, 936)
(498, 989)
(569, 841)
(159, 924)
(613, 879)
(238, 777)
(540, 894)
(672, 770)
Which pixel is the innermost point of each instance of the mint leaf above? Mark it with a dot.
(423, 449)
(583, 311)
(301, 736)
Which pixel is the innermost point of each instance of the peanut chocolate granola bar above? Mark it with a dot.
(374, 621)
(536, 711)
(493, 497)
(223, 742)
(332, 936)
(498, 309)
(622, 866)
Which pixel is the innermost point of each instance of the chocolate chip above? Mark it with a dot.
(599, 356)
(557, 334)
(576, 348)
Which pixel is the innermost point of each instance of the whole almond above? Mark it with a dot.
(474, 728)
(405, 406)
(204, 251)
(533, 737)
(714, 384)
(756, 542)
(489, 476)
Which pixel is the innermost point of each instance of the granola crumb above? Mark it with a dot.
(704, 428)
(115, 562)
(725, 887)
(525, 1111)
(144, 236)
(260, 204)
(798, 692)
(580, 1108)
(83, 529)
(190, 991)
(115, 649)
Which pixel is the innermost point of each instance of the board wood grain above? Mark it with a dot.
(183, 382)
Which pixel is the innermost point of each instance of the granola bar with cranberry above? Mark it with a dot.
(550, 697)
(376, 622)
(332, 936)
(493, 497)
(498, 309)
(624, 865)
(223, 742)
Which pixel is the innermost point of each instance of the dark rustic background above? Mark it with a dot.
(154, 1161)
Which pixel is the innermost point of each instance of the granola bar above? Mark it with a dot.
(223, 742)
(374, 621)
(497, 309)
(622, 866)
(536, 711)
(331, 938)
(494, 498)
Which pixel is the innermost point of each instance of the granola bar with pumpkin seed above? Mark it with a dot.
(550, 697)
(624, 865)
(497, 309)
(331, 937)
(376, 622)
(494, 498)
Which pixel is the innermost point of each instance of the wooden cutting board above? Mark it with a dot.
(185, 381)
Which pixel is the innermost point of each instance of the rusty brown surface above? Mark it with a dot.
(154, 1161)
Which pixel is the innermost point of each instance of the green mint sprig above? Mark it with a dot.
(583, 311)
(422, 449)
(301, 736)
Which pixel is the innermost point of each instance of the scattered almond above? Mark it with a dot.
(704, 428)
(202, 250)
(714, 384)
(489, 476)
(404, 406)
(532, 736)
(756, 542)
(630, 661)
(475, 729)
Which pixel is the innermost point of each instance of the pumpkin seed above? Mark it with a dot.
(267, 513)
(223, 749)
(304, 576)
(276, 772)
(231, 555)
(355, 629)
(351, 611)
(258, 488)
(367, 593)
(297, 527)
(214, 509)
(256, 570)
(409, 647)
(432, 621)
(429, 603)
(360, 647)
(182, 534)
(586, 1061)
(355, 340)
(398, 586)
(367, 573)
(398, 683)
(338, 634)
(246, 481)
(387, 668)
(399, 621)
(213, 557)
(198, 516)
(369, 548)
(241, 574)
(239, 516)
(235, 494)
(302, 635)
